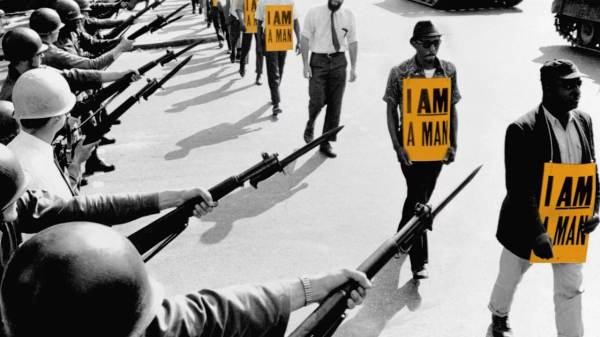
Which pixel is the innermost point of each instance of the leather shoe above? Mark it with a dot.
(420, 274)
(309, 132)
(258, 80)
(107, 141)
(276, 110)
(97, 165)
(327, 151)
(242, 72)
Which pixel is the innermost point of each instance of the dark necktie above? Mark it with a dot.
(334, 37)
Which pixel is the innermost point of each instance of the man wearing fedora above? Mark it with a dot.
(420, 176)
(557, 132)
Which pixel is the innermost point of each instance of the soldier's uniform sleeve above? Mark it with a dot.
(40, 209)
(80, 79)
(96, 46)
(243, 311)
(61, 59)
(393, 89)
(95, 23)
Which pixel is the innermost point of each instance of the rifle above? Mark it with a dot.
(152, 238)
(94, 134)
(324, 320)
(157, 23)
(115, 32)
(93, 102)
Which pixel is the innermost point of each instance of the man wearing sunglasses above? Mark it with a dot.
(420, 176)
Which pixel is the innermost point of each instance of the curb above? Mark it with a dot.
(175, 43)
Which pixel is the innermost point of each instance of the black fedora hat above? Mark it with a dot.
(425, 29)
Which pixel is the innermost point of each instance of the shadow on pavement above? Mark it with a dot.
(383, 301)
(219, 133)
(249, 202)
(191, 68)
(587, 61)
(414, 10)
(221, 92)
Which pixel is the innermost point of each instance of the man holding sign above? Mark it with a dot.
(276, 20)
(424, 137)
(552, 199)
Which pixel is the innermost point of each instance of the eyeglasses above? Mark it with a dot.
(429, 43)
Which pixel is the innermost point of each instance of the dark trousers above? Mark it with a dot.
(275, 64)
(420, 183)
(218, 20)
(326, 87)
(246, 44)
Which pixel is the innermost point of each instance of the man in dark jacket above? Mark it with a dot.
(553, 132)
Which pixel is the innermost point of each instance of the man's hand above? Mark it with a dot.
(591, 224)
(323, 285)
(403, 156)
(298, 49)
(125, 45)
(543, 246)
(353, 75)
(168, 199)
(81, 152)
(307, 72)
(450, 155)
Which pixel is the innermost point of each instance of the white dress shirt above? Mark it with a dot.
(317, 29)
(37, 158)
(568, 139)
(261, 11)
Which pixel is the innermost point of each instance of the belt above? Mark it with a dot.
(331, 55)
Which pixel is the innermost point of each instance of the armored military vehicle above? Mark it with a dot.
(458, 4)
(578, 21)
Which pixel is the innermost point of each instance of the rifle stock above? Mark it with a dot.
(323, 321)
(150, 239)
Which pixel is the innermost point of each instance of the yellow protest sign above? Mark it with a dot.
(426, 104)
(213, 3)
(249, 12)
(279, 27)
(566, 203)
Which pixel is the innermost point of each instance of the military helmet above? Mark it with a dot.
(45, 21)
(9, 127)
(13, 179)
(68, 10)
(42, 93)
(78, 279)
(84, 5)
(21, 44)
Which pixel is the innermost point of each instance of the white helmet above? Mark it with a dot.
(42, 93)
(7, 108)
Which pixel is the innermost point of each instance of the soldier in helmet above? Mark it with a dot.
(9, 127)
(46, 22)
(91, 24)
(103, 289)
(25, 51)
(27, 210)
(42, 100)
(73, 39)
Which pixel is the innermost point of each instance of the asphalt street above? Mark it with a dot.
(209, 123)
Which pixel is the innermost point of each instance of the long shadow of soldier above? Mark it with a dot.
(249, 202)
(221, 92)
(219, 133)
(383, 301)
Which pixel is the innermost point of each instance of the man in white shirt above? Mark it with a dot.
(275, 59)
(328, 32)
(42, 99)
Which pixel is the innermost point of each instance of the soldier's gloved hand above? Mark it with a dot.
(543, 246)
(424, 212)
(450, 155)
(591, 224)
